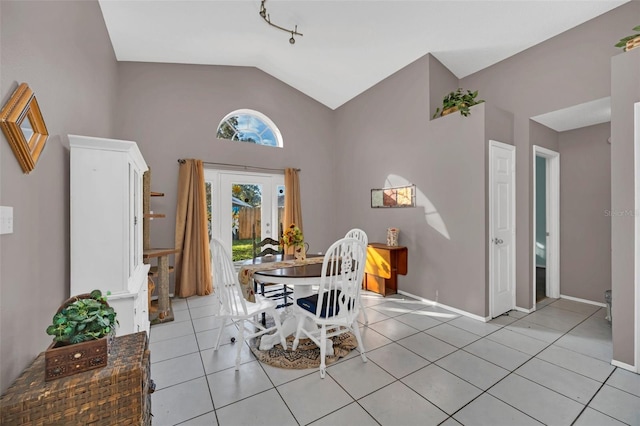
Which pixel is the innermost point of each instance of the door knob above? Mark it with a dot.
(498, 241)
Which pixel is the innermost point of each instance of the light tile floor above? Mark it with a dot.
(427, 366)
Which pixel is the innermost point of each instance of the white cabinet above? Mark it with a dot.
(106, 226)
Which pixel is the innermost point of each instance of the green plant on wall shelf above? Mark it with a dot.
(84, 319)
(458, 101)
(623, 41)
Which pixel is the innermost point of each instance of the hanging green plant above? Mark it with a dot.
(458, 101)
(624, 42)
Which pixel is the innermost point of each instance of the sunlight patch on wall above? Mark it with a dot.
(431, 214)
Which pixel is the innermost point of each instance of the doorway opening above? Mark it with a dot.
(541, 228)
(546, 224)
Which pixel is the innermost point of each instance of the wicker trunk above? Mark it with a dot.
(116, 394)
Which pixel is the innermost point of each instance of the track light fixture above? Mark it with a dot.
(267, 19)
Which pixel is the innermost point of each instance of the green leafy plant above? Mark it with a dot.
(84, 319)
(623, 41)
(458, 101)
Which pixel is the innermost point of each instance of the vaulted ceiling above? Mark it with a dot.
(347, 46)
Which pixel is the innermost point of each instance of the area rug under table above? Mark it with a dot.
(307, 355)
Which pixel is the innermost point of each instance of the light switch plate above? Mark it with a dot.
(6, 220)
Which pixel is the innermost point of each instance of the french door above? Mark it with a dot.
(241, 203)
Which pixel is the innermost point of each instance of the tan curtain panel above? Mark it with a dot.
(292, 206)
(193, 263)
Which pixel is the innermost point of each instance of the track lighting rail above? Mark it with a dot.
(267, 19)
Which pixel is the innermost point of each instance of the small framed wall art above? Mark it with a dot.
(401, 196)
(23, 126)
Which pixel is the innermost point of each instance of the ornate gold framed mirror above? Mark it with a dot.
(23, 125)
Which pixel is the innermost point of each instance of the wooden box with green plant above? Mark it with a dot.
(458, 100)
(83, 329)
(630, 42)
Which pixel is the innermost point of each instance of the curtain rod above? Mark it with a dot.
(181, 161)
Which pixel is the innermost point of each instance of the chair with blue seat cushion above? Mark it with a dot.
(327, 310)
(335, 308)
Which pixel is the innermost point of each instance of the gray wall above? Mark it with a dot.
(545, 137)
(441, 82)
(172, 111)
(625, 91)
(62, 50)
(499, 124)
(585, 197)
(385, 137)
(569, 69)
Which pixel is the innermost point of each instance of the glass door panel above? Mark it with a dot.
(238, 203)
(280, 214)
(247, 205)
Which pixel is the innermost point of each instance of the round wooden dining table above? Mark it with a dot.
(295, 275)
(302, 277)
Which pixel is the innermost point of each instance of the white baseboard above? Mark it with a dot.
(577, 299)
(450, 308)
(526, 311)
(624, 365)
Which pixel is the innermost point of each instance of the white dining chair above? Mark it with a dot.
(234, 307)
(360, 235)
(274, 291)
(334, 309)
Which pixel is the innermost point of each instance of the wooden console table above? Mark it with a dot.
(117, 394)
(384, 263)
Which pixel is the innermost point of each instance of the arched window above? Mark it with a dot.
(246, 125)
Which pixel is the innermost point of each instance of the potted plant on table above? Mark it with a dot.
(292, 237)
(458, 101)
(631, 41)
(83, 329)
(85, 317)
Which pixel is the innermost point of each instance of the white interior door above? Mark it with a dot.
(501, 228)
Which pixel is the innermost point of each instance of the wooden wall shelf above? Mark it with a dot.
(158, 252)
(152, 215)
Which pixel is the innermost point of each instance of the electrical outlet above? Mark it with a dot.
(6, 220)
(436, 295)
